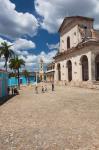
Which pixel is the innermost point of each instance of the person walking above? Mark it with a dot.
(8, 90)
(42, 89)
(12, 91)
(45, 88)
(36, 89)
(52, 86)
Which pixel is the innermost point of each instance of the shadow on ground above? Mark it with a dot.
(5, 99)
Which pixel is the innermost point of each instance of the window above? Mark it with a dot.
(68, 42)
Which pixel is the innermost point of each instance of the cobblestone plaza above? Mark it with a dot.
(66, 119)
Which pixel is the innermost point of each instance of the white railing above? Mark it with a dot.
(52, 70)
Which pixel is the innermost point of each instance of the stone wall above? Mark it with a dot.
(75, 58)
(75, 38)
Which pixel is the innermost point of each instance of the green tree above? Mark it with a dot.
(16, 64)
(6, 52)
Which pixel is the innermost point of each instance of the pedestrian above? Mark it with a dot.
(16, 92)
(52, 86)
(12, 91)
(42, 89)
(36, 89)
(45, 88)
(8, 90)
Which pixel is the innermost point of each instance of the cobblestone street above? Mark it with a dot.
(66, 119)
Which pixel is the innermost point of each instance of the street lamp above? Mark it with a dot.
(36, 74)
(36, 77)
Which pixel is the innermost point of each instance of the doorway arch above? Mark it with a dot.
(59, 71)
(97, 67)
(69, 66)
(85, 68)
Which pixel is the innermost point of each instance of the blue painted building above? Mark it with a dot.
(13, 81)
(3, 83)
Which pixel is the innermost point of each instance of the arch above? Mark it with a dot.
(97, 67)
(85, 68)
(68, 42)
(69, 66)
(59, 71)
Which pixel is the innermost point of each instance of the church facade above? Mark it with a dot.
(77, 61)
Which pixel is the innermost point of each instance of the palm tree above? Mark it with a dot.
(15, 64)
(26, 74)
(6, 52)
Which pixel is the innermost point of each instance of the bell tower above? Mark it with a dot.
(41, 70)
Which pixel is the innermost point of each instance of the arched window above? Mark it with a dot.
(68, 42)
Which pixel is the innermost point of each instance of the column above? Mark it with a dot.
(66, 75)
(91, 66)
(80, 70)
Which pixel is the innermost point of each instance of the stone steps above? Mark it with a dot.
(95, 82)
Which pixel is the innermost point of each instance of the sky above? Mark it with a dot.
(32, 26)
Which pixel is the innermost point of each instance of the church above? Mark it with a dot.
(77, 61)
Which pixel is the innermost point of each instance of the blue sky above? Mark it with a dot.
(32, 25)
(43, 36)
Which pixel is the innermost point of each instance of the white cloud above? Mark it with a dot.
(54, 11)
(15, 24)
(32, 60)
(4, 40)
(20, 46)
(53, 46)
(2, 64)
(47, 57)
(23, 44)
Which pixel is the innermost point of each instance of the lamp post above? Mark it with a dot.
(36, 77)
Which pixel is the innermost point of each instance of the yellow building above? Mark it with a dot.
(50, 72)
(41, 70)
